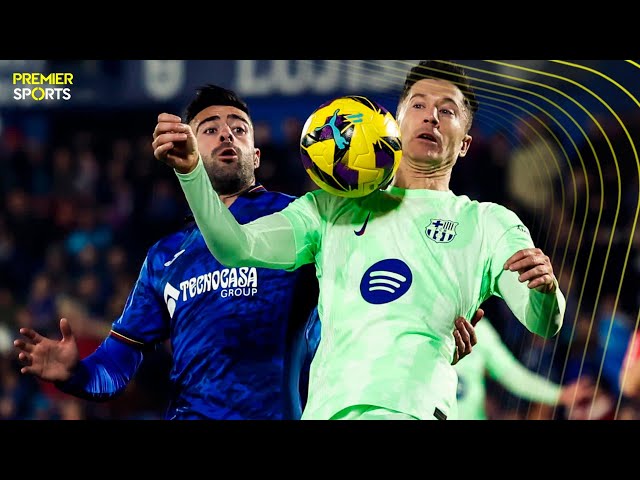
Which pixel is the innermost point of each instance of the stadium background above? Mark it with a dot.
(83, 198)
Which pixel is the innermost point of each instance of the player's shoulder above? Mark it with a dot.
(492, 208)
(172, 242)
(270, 199)
(480, 206)
(184, 230)
(277, 196)
(491, 217)
(323, 201)
(492, 212)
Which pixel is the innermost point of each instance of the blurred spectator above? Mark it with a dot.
(614, 331)
(88, 231)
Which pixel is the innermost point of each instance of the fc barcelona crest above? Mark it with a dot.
(441, 231)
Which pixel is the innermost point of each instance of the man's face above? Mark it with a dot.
(225, 141)
(433, 124)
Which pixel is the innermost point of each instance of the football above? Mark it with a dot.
(350, 146)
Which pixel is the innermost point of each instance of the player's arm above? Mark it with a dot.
(267, 242)
(523, 276)
(143, 324)
(105, 373)
(100, 376)
(531, 290)
(505, 368)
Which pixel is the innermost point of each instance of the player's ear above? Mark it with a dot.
(466, 142)
(256, 158)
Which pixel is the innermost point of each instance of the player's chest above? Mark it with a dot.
(192, 274)
(411, 232)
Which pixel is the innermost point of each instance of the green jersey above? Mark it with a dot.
(395, 268)
(492, 357)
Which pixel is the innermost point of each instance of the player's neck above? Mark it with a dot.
(411, 178)
(229, 198)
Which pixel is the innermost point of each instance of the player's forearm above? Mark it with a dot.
(105, 373)
(545, 312)
(504, 367)
(526, 384)
(541, 313)
(266, 242)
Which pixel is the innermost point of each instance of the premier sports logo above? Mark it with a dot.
(38, 87)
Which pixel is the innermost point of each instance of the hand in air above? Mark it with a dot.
(50, 360)
(174, 143)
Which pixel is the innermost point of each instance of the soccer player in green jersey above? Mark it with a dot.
(493, 358)
(387, 353)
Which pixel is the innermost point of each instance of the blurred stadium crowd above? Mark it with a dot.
(79, 211)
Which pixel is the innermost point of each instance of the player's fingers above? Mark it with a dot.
(456, 353)
(168, 127)
(30, 334)
(27, 370)
(519, 255)
(24, 358)
(526, 263)
(533, 273)
(460, 346)
(472, 334)
(461, 327)
(65, 329)
(477, 317)
(514, 258)
(169, 138)
(22, 345)
(541, 281)
(161, 152)
(169, 117)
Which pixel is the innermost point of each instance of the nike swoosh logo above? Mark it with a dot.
(166, 264)
(361, 231)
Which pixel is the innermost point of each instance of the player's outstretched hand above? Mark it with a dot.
(534, 267)
(577, 393)
(465, 335)
(174, 143)
(50, 360)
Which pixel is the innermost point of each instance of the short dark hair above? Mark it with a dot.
(443, 70)
(208, 95)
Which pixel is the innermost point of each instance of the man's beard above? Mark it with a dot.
(228, 179)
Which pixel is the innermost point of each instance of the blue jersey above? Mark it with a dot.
(230, 329)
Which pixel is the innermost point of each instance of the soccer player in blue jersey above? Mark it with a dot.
(230, 329)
